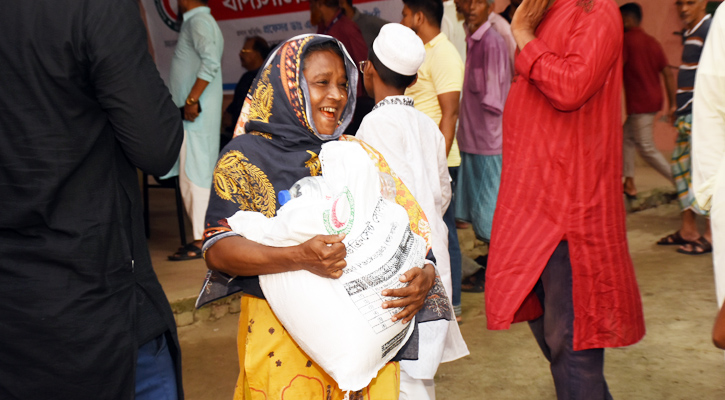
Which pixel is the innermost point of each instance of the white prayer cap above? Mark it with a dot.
(399, 49)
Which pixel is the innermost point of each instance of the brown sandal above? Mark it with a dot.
(699, 246)
(188, 252)
(673, 239)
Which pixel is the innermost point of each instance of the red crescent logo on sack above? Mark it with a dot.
(340, 216)
(338, 222)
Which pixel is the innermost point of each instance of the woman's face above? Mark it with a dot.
(327, 82)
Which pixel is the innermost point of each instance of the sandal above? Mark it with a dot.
(673, 239)
(476, 283)
(699, 246)
(188, 252)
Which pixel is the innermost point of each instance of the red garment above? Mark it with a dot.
(347, 32)
(644, 61)
(562, 163)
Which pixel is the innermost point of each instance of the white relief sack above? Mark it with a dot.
(340, 323)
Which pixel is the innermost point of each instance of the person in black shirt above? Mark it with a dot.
(82, 314)
(509, 11)
(252, 55)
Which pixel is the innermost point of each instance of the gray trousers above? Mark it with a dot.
(638, 134)
(578, 375)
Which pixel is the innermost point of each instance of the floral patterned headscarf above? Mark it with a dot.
(278, 101)
(275, 145)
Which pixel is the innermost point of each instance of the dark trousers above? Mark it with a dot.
(454, 248)
(155, 371)
(578, 375)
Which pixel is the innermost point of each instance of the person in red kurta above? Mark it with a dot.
(559, 223)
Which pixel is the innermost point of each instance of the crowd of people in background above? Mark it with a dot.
(697, 24)
(508, 123)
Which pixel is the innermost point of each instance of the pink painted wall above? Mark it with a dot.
(659, 20)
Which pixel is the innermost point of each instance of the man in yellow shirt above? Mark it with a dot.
(440, 78)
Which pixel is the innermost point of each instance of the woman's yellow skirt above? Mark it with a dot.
(273, 367)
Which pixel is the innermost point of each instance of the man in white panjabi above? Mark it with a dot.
(454, 28)
(414, 147)
(708, 142)
(195, 83)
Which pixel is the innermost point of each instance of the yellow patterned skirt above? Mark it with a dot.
(273, 367)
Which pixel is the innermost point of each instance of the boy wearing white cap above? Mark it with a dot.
(414, 147)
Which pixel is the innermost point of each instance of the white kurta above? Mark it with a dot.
(198, 54)
(414, 148)
(708, 141)
(453, 28)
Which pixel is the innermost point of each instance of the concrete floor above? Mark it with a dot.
(675, 360)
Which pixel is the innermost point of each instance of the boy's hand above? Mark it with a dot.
(420, 281)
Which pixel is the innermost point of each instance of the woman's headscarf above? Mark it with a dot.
(275, 145)
(278, 101)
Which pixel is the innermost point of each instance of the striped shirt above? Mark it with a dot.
(693, 40)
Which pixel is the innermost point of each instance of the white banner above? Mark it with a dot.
(274, 20)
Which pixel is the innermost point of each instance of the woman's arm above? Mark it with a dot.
(323, 255)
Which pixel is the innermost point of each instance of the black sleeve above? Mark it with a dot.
(430, 257)
(128, 87)
(240, 93)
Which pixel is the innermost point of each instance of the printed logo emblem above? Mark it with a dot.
(339, 218)
(167, 12)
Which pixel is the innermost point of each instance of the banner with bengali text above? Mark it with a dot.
(274, 20)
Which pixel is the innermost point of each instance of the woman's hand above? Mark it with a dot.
(323, 255)
(412, 296)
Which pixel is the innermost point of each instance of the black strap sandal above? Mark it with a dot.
(699, 246)
(188, 252)
(673, 239)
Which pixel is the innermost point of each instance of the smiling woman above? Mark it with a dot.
(301, 98)
(326, 78)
